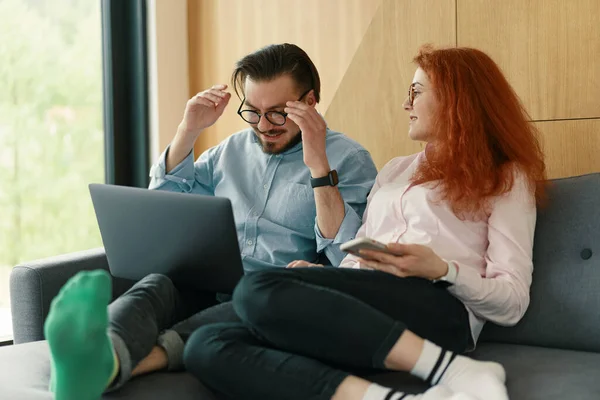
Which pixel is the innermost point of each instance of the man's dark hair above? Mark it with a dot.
(276, 60)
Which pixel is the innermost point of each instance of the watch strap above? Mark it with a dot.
(331, 179)
(450, 278)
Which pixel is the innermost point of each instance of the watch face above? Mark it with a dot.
(333, 177)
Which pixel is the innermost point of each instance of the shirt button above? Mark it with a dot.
(249, 242)
(255, 214)
(265, 186)
(184, 180)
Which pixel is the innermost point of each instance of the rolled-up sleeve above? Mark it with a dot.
(501, 293)
(357, 174)
(187, 177)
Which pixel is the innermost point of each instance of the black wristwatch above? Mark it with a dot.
(331, 179)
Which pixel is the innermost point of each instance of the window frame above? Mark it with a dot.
(125, 92)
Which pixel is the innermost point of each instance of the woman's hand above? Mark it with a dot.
(302, 263)
(408, 260)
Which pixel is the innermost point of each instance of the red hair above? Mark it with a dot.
(481, 134)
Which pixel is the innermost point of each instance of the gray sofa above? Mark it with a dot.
(553, 353)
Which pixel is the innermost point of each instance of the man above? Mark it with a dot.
(281, 176)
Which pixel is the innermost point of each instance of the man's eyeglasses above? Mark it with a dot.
(277, 118)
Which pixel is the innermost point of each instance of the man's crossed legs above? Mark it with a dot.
(96, 348)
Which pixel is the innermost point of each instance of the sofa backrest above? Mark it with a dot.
(34, 284)
(565, 295)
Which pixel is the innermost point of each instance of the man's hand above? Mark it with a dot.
(313, 129)
(411, 260)
(201, 111)
(204, 109)
(301, 263)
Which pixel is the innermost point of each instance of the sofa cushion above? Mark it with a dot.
(537, 373)
(25, 374)
(533, 373)
(565, 294)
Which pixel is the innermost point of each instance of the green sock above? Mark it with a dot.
(83, 363)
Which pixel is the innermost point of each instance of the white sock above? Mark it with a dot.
(377, 392)
(460, 374)
(440, 392)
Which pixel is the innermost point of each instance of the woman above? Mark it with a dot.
(459, 218)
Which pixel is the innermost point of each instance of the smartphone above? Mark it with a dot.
(353, 247)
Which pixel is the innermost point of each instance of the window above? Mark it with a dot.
(51, 131)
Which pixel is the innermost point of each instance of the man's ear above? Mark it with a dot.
(310, 99)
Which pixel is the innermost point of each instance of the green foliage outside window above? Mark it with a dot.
(51, 133)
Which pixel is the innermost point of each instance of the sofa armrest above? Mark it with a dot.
(34, 284)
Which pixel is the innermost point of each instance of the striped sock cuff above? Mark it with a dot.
(377, 392)
(396, 395)
(437, 365)
(441, 365)
(451, 358)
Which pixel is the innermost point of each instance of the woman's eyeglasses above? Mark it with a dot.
(411, 94)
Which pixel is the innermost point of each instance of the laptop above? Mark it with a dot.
(190, 238)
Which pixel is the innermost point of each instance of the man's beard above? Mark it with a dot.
(271, 148)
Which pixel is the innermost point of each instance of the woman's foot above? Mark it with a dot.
(480, 379)
(441, 392)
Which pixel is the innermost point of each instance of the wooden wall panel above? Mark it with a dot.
(222, 31)
(549, 49)
(571, 147)
(368, 103)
